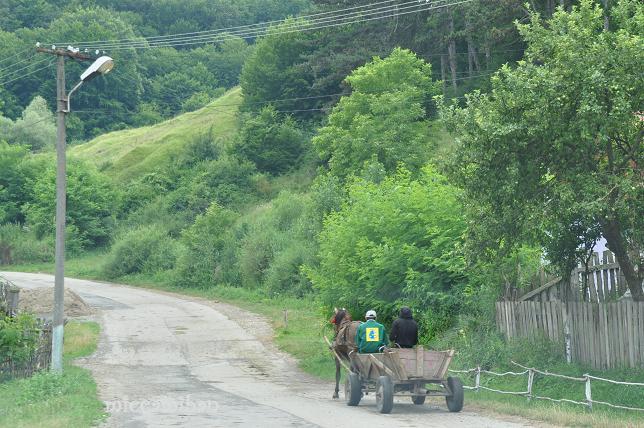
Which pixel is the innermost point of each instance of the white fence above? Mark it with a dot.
(529, 394)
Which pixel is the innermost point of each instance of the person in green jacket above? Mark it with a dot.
(370, 336)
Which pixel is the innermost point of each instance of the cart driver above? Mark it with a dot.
(370, 336)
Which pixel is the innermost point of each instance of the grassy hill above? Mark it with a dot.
(129, 153)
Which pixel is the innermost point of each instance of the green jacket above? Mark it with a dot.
(370, 337)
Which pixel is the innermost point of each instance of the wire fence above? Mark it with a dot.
(529, 394)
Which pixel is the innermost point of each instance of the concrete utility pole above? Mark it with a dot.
(61, 203)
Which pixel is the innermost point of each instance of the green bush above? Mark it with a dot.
(394, 243)
(19, 245)
(18, 337)
(146, 249)
(275, 144)
(279, 238)
(200, 261)
(91, 203)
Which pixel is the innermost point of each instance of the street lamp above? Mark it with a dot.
(102, 65)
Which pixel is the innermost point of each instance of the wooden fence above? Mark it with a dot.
(8, 297)
(600, 281)
(39, 360)
(602, 335)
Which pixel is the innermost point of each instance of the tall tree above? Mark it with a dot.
(555, 150)
(384, 118)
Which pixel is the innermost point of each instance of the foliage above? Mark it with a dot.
(274, 144)
(200, 264)
(18, 337)
(552, 155)
(274, 72)
(12, 182)
(397, 242)
(146, 249)
(383, 120)
(67, 400)
(91, 200)
(274, 241)
(35, 129)
(19, 245)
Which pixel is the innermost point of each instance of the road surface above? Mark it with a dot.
(167, 360)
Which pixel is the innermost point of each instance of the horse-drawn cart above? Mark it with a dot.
(415, 373)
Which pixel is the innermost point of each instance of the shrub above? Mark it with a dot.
(200, 262)
(273, 143)
(146, 249)
(19, 245)
(18, 337)
(278, 240)
(91, 201)
(394, 243)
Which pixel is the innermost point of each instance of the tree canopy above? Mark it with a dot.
(384, 118)
(554, 152)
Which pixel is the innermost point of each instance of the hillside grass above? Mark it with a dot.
(126, 154)
(49, 400)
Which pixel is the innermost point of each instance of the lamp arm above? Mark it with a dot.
(78, 85)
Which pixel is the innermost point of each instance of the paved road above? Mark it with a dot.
(166, 360)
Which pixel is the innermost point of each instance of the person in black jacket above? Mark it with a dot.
(404, 330)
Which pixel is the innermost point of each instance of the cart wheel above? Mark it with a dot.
(455, 401)
(352, 389)
(384, 394)
(418, 399)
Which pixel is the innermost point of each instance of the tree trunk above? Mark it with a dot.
(444, 72)
(451, 51)
(472, 58)
(606, 12)
(612, 231)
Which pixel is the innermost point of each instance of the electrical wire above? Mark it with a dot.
(294, 27)
(23, 68)
(223, 30)
(291, 26)
(17, 63)
(302, 21)
(14, 55)
(27, 74)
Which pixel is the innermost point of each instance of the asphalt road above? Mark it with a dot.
(167, 360)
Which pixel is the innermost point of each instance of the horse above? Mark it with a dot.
(343, 343)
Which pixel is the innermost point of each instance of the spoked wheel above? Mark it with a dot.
(352, 389)
(384, 394)
(455, 401)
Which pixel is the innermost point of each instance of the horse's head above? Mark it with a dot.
(340, 316)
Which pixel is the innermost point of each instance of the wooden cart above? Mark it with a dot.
(415, 373)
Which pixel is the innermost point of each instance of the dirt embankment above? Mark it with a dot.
(40, 301)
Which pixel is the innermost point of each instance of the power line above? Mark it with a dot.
(28, 74)
(16, 63)
(15, 55)
(223, 30)
(335, 15)
(295, 26)
(23, 68)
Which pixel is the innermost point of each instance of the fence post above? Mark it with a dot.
(12, 303)
(566, 326)
(530, 379)
(285, 319)
(589, 396)
(478, 379)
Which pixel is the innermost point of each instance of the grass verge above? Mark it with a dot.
(50, 400)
